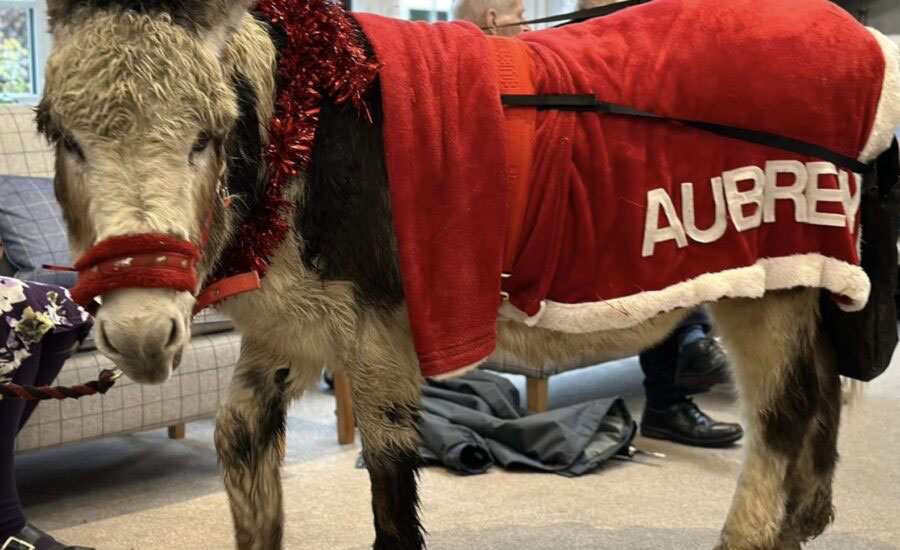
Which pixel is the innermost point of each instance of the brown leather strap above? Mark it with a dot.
(514, 76)
(226, 288)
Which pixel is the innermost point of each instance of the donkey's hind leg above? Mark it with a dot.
(249, 427)
(385, 388)
(809, 510)
(791, 395)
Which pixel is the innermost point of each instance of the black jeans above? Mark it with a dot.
(38, 370)
(658, 363)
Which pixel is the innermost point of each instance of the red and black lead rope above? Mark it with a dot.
(107, 378)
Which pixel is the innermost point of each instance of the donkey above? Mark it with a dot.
(154, 104)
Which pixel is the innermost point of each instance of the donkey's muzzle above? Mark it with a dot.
(147, 348)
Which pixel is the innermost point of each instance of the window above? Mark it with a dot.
(428, 10)
(427, 15)
(23, 49)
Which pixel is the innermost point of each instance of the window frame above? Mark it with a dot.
(40, 42)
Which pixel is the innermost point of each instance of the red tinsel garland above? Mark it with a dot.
(323, 57)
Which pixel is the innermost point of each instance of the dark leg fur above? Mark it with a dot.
(248, 429)
(384, 383)
(395, 501)
(809, 509)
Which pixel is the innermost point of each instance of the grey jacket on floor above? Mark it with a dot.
(473, 421)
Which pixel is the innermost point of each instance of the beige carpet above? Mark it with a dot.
(668, 504)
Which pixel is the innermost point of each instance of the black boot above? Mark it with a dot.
(685, 423)
(32, 538)
(701, 365)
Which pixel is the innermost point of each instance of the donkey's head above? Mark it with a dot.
(139, 102)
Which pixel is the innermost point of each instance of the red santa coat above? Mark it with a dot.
(627, 218)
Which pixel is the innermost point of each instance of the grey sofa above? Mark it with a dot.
(194, 391)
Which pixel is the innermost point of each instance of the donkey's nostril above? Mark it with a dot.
(104, 339)
(174, 334)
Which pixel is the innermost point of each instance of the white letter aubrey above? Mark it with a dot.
(720, 221)
(793, 192)
(737, 199)
(653, 233)
(816, 194)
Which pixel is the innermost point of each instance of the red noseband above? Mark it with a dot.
(147, 260)
(150, 260)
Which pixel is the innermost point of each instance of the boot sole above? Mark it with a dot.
(724, 441)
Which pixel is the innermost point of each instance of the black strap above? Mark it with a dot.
(590, 103)
(588, 13)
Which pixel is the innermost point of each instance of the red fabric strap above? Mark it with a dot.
(147, 260)
(514, 77)
(123, 245)
(150, 261)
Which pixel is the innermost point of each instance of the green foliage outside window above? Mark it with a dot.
(15, 58)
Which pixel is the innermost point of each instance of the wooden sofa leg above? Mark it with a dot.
(538, 393)
(346, 425)
(176, 431)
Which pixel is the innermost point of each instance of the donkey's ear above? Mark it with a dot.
(224, 18)
(226, 12)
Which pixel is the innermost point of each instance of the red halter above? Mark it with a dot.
(149, 260)
(152, 260)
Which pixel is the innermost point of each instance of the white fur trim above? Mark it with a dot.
(799, 270)
(458, 372)
(887, 117)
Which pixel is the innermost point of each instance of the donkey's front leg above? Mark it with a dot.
(248, 428)
(385, 388)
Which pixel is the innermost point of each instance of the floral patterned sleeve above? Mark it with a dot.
(28, 312)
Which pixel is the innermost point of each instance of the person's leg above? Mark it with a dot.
(40, 369)
(669, 413)
(702, 362)
(55, 349)
(658, 365)
(12, 519)
(693, 328)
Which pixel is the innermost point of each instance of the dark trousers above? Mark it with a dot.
(658, 363)
(38, 370)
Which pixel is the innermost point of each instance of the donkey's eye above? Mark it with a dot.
(201, 144)
(70, 145)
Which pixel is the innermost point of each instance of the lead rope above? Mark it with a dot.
(107, 379)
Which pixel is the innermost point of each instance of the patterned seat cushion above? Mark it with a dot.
(31, 230)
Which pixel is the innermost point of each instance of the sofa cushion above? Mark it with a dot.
(31, 230)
